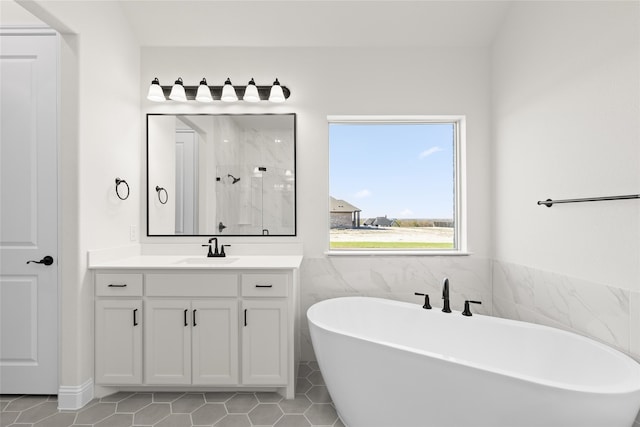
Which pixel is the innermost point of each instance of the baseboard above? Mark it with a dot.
(75, 397)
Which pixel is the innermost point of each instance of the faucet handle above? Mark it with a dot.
(427, 305)
(467, 311)
(222, 250)
(209, 254)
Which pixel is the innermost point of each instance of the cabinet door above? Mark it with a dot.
(118, 342)
(264, 342)
(167, 342)
(215, 341)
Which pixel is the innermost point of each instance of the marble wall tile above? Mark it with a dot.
(514, 284)
(259, 200)
(634, 325)
(592, 309)
(395, 278)
(512, 291)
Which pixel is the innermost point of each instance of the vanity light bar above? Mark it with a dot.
(273, 93)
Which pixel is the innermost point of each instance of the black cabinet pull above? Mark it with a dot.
(245, 317)
(194, 318)
(113, 285)
(135, 317)
(264, 286)
(185, 318)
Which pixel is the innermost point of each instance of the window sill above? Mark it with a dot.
(395, 253)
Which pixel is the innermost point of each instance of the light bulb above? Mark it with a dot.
(251, 92)
(177, 91)
(228, 92)
(276, 94)
(155, 92)
(204, 93)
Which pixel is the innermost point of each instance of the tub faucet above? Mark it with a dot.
(445, 295)
(427, 305)
(467, 311)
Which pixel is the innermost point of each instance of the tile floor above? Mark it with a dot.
(311, 407)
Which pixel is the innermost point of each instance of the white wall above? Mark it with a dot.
(566, 103)
(100, 139)
(328, 81)
(12, 14)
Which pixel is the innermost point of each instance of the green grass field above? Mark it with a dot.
(391, 245)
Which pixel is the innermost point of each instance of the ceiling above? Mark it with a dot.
(361, 23)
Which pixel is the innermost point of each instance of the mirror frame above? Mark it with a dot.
(295, 168)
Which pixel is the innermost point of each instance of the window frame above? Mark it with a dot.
(460, 196)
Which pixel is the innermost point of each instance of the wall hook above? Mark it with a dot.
(118, 182)
(160, 190)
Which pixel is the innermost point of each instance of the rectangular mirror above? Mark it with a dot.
(221, 174)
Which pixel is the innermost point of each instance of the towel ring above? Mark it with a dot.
(166, 195)
(118, 182)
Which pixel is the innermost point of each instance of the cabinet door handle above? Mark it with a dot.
(186, 323)
(264, 286)
(245, 317)
(114, 285)
(194, 318)
(135, 317)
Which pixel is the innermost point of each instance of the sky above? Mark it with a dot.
(402, 170)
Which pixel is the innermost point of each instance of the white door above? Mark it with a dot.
(215, 341)
(264, 342)
(167, 342)
(28, 219)
(118, 342)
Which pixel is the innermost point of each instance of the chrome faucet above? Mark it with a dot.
(445, 295)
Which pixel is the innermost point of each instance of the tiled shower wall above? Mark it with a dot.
(597, 310)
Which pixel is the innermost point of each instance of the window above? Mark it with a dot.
(395, 183)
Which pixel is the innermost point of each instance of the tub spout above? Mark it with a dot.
(445, 295)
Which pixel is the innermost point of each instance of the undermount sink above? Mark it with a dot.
(207, 260)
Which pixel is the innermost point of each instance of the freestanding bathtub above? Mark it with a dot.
(394, 364)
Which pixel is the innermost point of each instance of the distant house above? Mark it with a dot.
(381, 221)
(343, 214)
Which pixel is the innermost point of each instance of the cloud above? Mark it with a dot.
(406, 213)
(430, 151)
(363, 193)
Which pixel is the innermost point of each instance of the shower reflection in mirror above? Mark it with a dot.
(235, 170)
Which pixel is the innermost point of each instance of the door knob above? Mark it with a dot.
(48, 260)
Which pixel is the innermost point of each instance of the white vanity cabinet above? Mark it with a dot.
(191, 341)
(118, 329)
(118, 342)
(212, 328)
(264, 333)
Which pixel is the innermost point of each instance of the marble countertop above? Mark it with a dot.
(200, 262)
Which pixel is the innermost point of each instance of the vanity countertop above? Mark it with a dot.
(201, 262)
